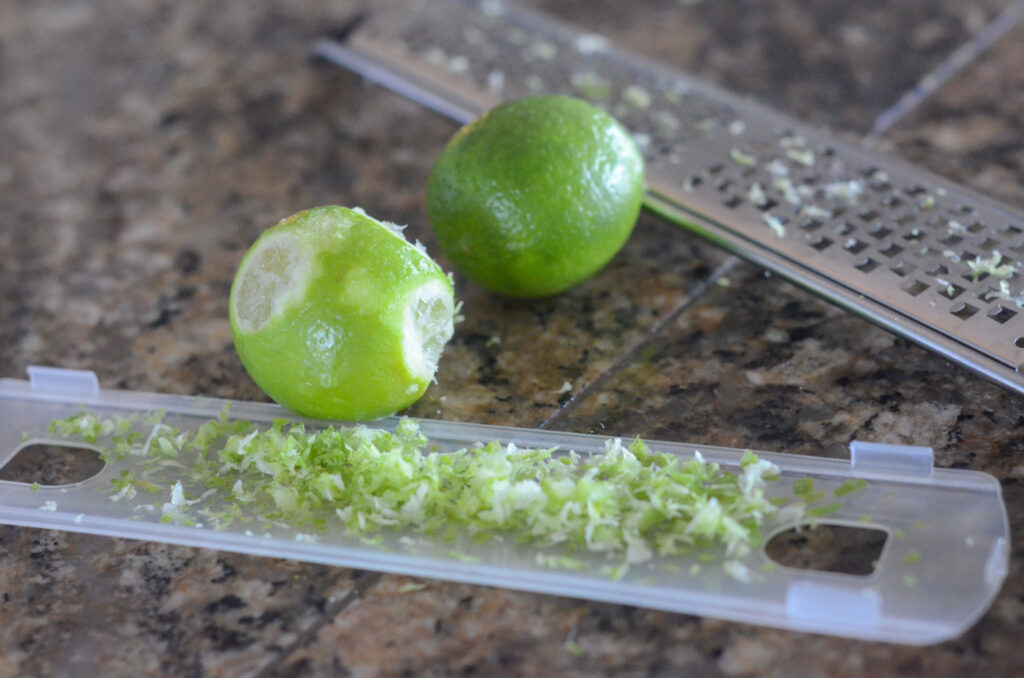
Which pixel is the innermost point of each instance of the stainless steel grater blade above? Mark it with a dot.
(917, 254)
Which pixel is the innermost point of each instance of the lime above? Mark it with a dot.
(536, 195)
(336, 315)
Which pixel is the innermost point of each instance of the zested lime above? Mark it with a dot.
(336, 315)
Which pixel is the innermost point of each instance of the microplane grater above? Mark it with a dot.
(919, 255)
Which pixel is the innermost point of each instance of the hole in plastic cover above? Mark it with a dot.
(825, 547)
(50, 464)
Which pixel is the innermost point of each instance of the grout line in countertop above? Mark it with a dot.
(957, 61)
(630, 353)
(365, 583)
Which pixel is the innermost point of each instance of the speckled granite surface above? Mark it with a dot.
(970, 131)
(144, 145)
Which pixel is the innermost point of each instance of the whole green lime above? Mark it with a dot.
(336, 315)
(536, 195)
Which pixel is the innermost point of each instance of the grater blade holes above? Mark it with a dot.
(987, 294)
(821, 243)
(866, 265)
(964, 311)
(1002, 314)
(903, 268)
(951, 291)
(915, 288)
(844, 228)
(890, 250)
(854, 246)
(880, 232)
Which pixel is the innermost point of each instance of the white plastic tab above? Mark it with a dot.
(899, 459)
(809, 601)
(996, 566)
(60, 380)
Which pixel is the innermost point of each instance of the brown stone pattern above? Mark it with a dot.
(970, 130)
(837, 64)
(143, 146)
(73, 604)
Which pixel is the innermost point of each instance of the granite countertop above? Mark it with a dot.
(144, 146)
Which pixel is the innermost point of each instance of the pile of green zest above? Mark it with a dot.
(628, 501)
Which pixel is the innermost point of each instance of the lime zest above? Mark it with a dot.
(850, 486)
(803, 486)
(560, 562)
(742, 158)
(411, 587)
(775, 223)
(637, 97)
(627, 502)
(993, 266)
(738, 571)
(826, 510)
